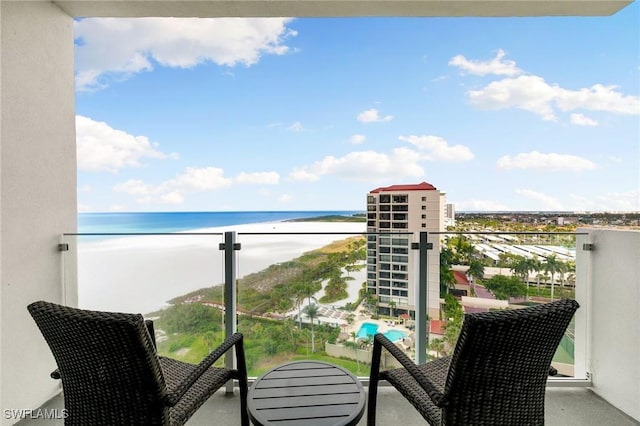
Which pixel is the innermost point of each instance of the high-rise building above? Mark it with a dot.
(449, 214)
(396, 215)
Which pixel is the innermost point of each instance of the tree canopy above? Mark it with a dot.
(504, 287)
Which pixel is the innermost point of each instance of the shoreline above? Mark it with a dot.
(141, 273)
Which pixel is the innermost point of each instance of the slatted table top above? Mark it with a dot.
(306, 393)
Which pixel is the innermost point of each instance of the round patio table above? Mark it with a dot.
(306, 393)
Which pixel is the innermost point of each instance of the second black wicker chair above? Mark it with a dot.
(496, 375)
(112, 375)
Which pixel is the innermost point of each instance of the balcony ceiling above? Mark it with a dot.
(328, 8)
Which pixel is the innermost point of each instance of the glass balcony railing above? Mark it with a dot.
(319, 295)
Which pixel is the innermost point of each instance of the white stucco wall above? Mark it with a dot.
(37, 188)
(614, 316)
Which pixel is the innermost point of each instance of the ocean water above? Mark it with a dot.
(162, 222)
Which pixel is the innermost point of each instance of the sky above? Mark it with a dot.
(235, 114)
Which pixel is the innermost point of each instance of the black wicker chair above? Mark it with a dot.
(496, 375)
(112, 375)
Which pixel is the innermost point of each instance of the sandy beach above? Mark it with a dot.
(141, 273)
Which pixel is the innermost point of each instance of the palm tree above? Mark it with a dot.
(392, 306)
(552, 266)
(447, 279)
(210, 340)
(312, 312)
(475, 271)
(299, 295)
(290, 328)
(536, 266)
(521, 267)
(353, 345)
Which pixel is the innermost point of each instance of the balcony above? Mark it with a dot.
(33, 125)
(564, 407)
(600, 373)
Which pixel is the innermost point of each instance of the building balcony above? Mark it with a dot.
(602, 387)
(563, 407)
(38, 147)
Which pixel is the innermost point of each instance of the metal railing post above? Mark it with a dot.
(230, 300)
(422, 292)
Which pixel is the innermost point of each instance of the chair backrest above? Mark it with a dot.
(107, 362)
(500, 364)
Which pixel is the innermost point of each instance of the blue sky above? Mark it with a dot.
(311, 114)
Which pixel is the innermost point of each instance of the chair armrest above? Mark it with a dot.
(413, 369)
(152, 332)
(173, 397)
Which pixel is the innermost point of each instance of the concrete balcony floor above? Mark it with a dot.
(564, 407)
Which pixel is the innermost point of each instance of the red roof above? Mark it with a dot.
(424, 186)
(461, 277)
(436, 327)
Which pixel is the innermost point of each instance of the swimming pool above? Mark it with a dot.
(395, 335)
(370, 329)
(367, 329)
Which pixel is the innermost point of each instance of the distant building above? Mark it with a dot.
(395, 217)
(449, 215)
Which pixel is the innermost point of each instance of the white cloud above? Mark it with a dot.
(496, 66)
(303, 175)
(121, 47)
(192, 179)
(174, 197)
(285, 198)
(198, 179)
(530, 93)
(548, 162)
(543, 201)
(357, 139)
(264, 178)
(534, 94)
(598, 98)
(365, 166)
(373, 116)
(628, 201)
(583, 120)
(103, 148)
(134, 187)
(296, 127)
(437, 148)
